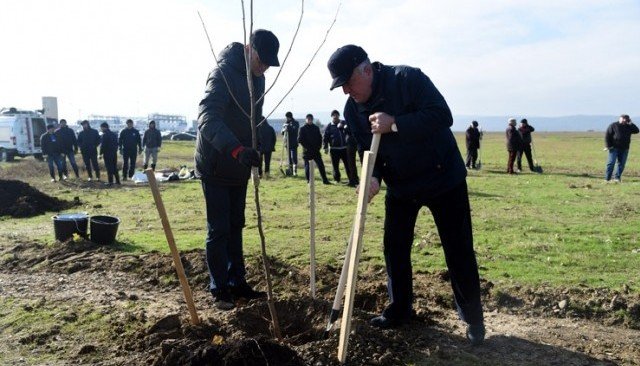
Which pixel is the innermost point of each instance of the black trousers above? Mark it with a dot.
(338, 155)
(128, 163)
(266, 161)
(452, 215)
(352, 151)
(319, 163)
(527, 152)
(90, 159)
(111, 165)
(472, 157)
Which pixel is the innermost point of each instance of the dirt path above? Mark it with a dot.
(139, 318)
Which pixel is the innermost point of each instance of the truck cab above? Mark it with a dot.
(20, 133)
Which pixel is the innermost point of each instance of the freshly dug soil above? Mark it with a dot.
(19, 199)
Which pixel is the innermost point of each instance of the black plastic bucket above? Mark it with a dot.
(65, 225)
(104, 229)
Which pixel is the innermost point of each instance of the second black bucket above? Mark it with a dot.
(65, 225)
(104, 229)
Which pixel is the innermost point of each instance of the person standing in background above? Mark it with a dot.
(334, 142)
(130, 145)
(266, 146)
(290, 132)
(525, 130)
(88, 141)
(311, 141)
(472, 137)
(151, 143)
(109, 152)
(617, 141)
(69, 147)
(51, 148)
(514, 144)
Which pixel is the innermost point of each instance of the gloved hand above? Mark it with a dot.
(248, 157)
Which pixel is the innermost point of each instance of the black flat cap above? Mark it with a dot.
(342, 63)
(267, 45)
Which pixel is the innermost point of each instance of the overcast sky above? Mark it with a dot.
(494, 57)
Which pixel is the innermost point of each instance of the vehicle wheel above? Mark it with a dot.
(38, 157)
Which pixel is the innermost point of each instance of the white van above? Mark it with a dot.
(20, 133)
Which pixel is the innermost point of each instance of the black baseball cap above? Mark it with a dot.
(342, 63)
(267, 45)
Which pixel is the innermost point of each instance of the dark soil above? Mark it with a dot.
(19, 199)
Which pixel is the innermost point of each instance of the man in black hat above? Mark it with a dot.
(472, 137)
(290, 131)
(224, 158)
(419, 160)
(334, 141)
(109, 151)
(525, 130)
(130, 145)
(52, 148)
(88, 141)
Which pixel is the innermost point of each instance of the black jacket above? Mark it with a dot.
(50, 144)
(525, 133)
(292, 127)
(129, 140)
(266, 137)
(67, 139)
(514, 140)
(618, 135)
(348, 137)
(223, 126)
(88, 141)
(311, 140)
(334, 135)
(472, 138)
(109, 143)
(151, 138)
(422, 158)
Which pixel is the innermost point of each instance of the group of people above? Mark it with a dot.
(60, 145)
(418, 159)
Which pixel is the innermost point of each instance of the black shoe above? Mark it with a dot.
(326, 181)
(475, 334)
(223, 300)
(246, 292)
(383, 322)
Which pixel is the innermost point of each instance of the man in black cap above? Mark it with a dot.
(224, 158)
(69, 146)
(472, 138)
(88, 141)
(419, 160)
(51, 147)
(525, 130)
(311, 141)
(109, 151)
(130, 145)
(335, 139)
(290, 130)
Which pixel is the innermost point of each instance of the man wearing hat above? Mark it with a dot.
(88, 141)
(514, 144)
(472, 137)
(224, 158)
(420, 163)
(525, 130)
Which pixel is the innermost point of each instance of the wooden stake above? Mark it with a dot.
(186, 290)
(356, 249)
(312, 228)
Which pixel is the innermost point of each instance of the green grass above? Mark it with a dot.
(562, 228)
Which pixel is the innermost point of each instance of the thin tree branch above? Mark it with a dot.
(219, 68)
(286, 56)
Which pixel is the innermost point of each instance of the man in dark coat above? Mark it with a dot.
(88, 141)
(109, 152)
(334, 138)
(525, 130)
(130, 145)
(352, 151)
(151, 143)
(617, 140)
(420, 163)
(51, 147)
(266, 145)
(69, 146)
(514, 144)
(472, 138)
(311, 141)
(290, 130)
(224, 158)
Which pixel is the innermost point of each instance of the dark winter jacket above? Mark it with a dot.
(292, 128)
(129, 140)
(422, 158)
(222, 125)
(88, 141)
(67, 139)
(266, 137)
(472, 137)
(334, 136)
(311, 140)
(514, 140)
(618, 135)
(50, 144)
(525, 133)
(109, 143)
(348, 137)
(151, 138)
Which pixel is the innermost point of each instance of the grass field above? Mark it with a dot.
(564, 227)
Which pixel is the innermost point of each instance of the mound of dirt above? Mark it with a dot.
(19, 199)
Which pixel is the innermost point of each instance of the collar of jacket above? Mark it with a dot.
(377, 93)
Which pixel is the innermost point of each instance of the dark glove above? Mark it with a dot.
(248, 157)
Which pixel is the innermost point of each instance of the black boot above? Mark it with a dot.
(144, 167)
(153, 167)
